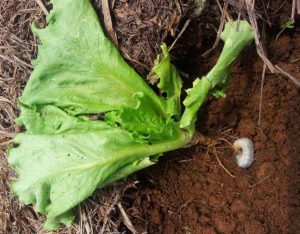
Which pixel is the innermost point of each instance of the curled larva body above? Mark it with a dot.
(245, 152)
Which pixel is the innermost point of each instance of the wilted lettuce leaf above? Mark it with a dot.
(170, 82)
(64, 155)
(58, 171)
(79, 70)
(236, 36)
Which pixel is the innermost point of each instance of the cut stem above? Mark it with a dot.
(236, 36)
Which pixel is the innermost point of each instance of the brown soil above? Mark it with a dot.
(189, 190)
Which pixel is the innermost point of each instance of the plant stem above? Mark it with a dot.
(236, 36)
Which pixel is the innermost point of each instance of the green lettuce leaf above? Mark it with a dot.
(58, 171)
(170, 82)
(79, 70)
(64, 155)
(236, 36)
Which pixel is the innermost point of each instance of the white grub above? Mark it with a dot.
(244, 152)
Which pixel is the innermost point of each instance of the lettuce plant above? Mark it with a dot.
(90, 119)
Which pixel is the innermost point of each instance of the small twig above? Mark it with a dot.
(260, 48)
(295, 60)
(282, 72)
(221, 164)
(266, 13)
(295, 5)
(3, 99)
(42, 6)
(106, 219)
(108, 22)
(221, 26)
(260, 181)
(261, 92)
(127, 221)
(183, 207)
(80, 220)
(280, 32)
(127, 56)
(6, 142)
(185, 204)
(225, 140)
(180, 34)
(16, 61)
(279, 8)
(185, 160)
